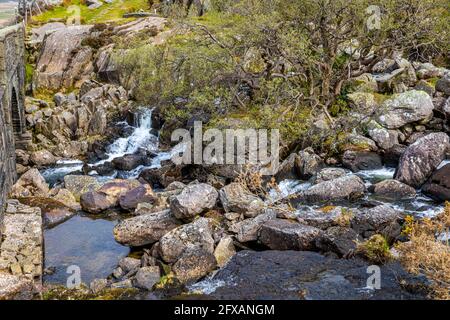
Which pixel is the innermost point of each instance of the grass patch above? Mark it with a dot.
(112, 12)
(428, 254)
(375, 249)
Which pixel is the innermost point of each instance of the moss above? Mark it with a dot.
(432, 81)
(29, 71)
(327, 209)
(106, 13)
(83, 293)
(375, 249)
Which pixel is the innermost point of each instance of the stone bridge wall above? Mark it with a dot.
(12, 115)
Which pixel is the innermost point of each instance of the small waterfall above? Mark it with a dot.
(140, 138)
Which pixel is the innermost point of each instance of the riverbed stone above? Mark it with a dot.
(236, 198)
(145, 229)
(128, 162)
(193, 200)
(53, 211)
(42, 158)
(307, 164)
(224, 251)
(347, 187)
(142, 194)
(340, 240)
(98, 285)
(393, 190)
(79, 185)
(66, 197)
(116, 188)
(327, 174)
(280, 234)
(247, 230)
(381, 219)
(189, 237)
(361, 160)
(421, 158)
(438, 186)
(194, 264)
(147, 277)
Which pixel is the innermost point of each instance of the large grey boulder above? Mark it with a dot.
(381, 219)
(408, 107)
(279, 234)
(421, 158)
(236, 198)
(193, 200)
(63, 62)
(189, 237)
(145, 229)
(393, 190)
(346, 187)
(383, 137)
(327, 174)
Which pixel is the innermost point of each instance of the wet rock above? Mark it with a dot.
(95, 202)
(308, 275)
(408, 107)
(393, 190)
(278, 234)
(438, 186)
(193, 200)
(224, 251)
(287, 169)
(54, 212)
(189, 237)
(382, 219)
(421, 158)
(31, 183)
(142, 194)
(307, 164)
(356, 142)
(248, 229)
(164, 176)
(340, 240)
(128, 162)
(328, 174)
(125, 284)
(145, 229)
(79, 185)
(235, 198)
(194, 265)
(361, 160)
(147, 277)
(347, 187)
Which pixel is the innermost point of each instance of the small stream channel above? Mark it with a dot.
(87, 241)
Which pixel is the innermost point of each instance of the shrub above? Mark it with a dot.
(427, 253)
(375, 249)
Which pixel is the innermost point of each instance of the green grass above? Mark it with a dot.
(106, 13)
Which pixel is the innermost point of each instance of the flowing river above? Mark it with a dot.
(87, 241)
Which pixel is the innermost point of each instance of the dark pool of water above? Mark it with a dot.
(84, 242)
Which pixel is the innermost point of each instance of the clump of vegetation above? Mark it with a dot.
(345, 218)
(83, 293)
(428, 251)
(375, 249)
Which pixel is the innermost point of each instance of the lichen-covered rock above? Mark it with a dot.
(328, 174)
(235, 198)
(408, 107)
(42, 158)
(247, 230)
(421, 158)
(307, 164)
(193, 265)
(54, 212)
(279, 234)
(340, 240)
(13, 287)
(443, 84)
(79, 185)
(116, 188)
(142, 194)
(147, 277)
(383, 137)
(393, 190)
(30, 184)
(346, 187)
(224, 251)
(381, 219)
(193, 200)
(145, 229)
(95, 202)
(189, 237)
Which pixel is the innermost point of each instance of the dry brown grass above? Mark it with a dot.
(426, 254)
